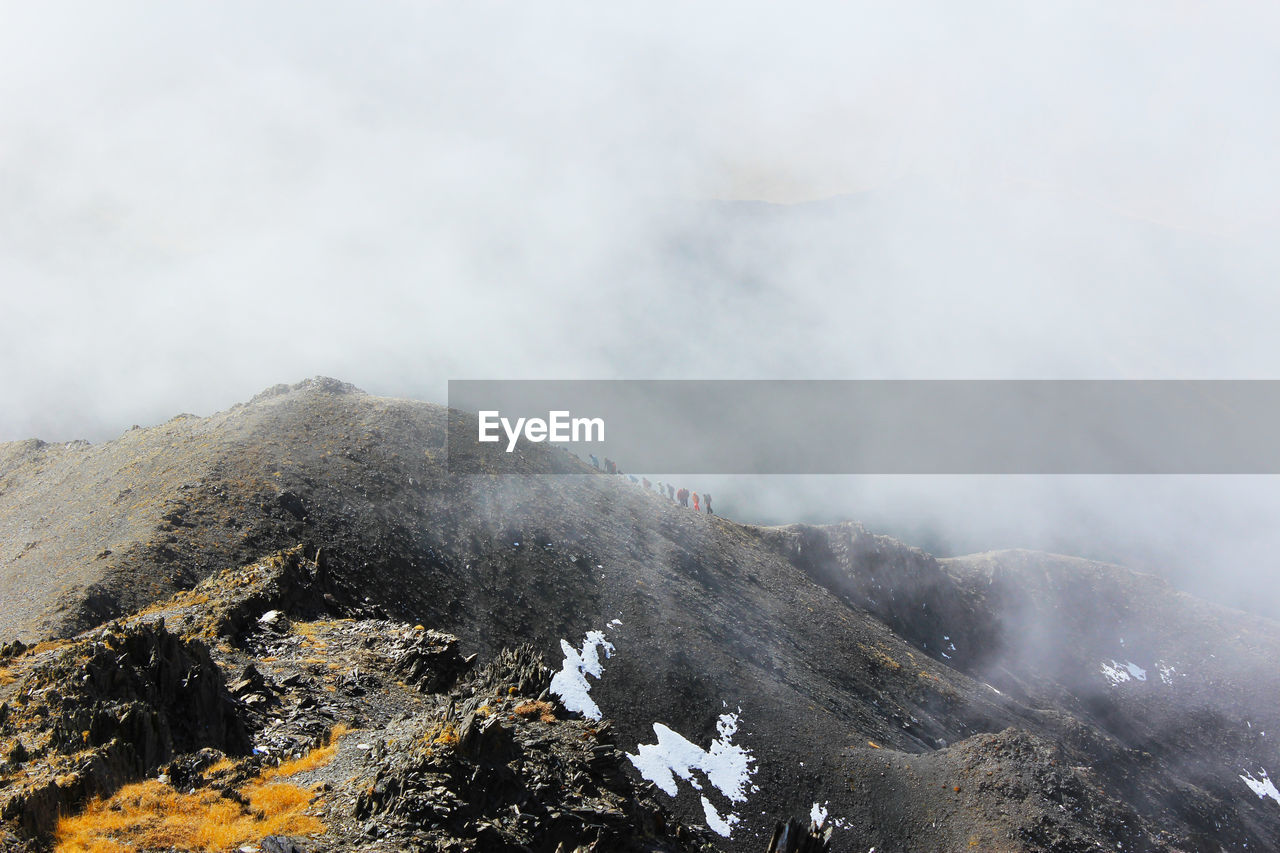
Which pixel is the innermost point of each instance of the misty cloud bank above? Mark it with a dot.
(198, 202)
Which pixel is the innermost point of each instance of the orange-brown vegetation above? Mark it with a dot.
(151, 814)
(442, 734)
(314, 759)
(542, 710)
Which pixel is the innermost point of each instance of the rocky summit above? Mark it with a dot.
(287, 627)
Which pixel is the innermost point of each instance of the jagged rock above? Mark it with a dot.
(126, 699)
(485, 740)
(11, 843)
(497, 780)
(428, 660)
(280, 844)
(797, 837)
(522, 668)
(250, 681)
(17, 755)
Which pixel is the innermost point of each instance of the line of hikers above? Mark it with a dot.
(681, 496)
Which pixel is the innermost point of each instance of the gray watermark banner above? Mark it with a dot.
(872, 426)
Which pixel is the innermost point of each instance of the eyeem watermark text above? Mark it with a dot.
(559, 426)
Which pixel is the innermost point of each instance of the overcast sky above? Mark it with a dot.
(200, 200)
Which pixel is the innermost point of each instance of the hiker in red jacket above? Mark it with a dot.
(695, 502)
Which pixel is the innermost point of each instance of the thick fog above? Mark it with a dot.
(198, 201)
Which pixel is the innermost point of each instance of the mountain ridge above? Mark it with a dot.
(864, 674)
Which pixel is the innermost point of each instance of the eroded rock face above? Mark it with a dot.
(111, 707)
(428, 660)
(506, 774)
(155, 692)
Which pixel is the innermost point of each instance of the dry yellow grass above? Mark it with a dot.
(441, 734)
(542, 710)
(47, 646)
(153, 815)
(180, 599)
(878, 657)
(311, 631)
(6, 677)
(318, 757)
(219, 766)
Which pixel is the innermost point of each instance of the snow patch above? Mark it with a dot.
(1166, 671)
(716, 823)
(1119, 673)
(726, 765)
(570, 684)
(1263, 786)
(820, 817)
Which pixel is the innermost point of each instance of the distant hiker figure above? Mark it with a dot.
(609, 467)
(706, 499)
(646, 483)
(671, 491)
(595, 463)
(683, 497)
(695, 502)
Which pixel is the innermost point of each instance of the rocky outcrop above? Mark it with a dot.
(504, 773)
(797, 837)
(109, 708)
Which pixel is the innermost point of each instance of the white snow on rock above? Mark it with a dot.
(1119, 673)
(1167, 672)
(716, 823)
(821, 817)
(1263, 786)
(727, 766)
(570, 684)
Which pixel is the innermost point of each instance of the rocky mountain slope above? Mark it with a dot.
(301, 547)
